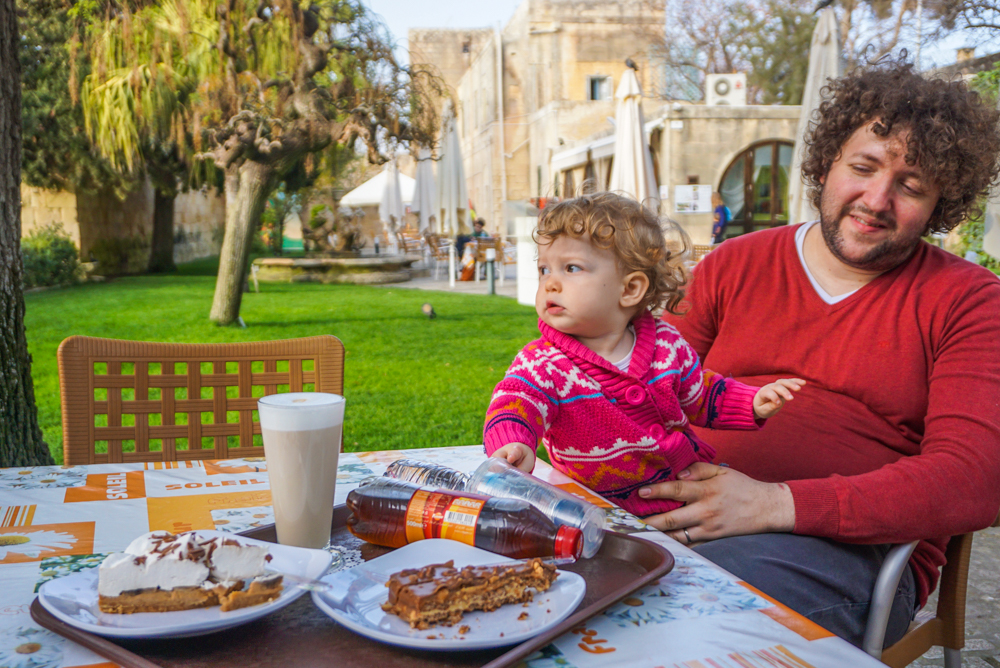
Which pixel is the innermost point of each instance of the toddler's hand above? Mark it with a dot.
(519, 455)
(770, 398)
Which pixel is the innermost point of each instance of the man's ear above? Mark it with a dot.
(634, 288)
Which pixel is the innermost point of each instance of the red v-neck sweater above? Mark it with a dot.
(896, 437)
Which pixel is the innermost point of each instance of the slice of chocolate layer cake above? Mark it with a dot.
(441, 593)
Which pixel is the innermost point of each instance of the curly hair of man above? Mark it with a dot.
(634, 233)
(952, 133)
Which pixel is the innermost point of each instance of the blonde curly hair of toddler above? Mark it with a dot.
(636, 236)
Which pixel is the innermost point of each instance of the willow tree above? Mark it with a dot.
(255, 88)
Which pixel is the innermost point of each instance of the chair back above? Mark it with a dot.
(699, 251)
(134, 401)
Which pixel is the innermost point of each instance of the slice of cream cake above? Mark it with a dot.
(163, 572)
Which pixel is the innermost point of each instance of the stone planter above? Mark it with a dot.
(366, 270)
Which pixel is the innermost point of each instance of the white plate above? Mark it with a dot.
(356, 596)
(73, 599)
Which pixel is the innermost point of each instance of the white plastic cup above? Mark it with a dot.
(496, 477)
(302, 433)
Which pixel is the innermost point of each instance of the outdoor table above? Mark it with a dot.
(55, 520)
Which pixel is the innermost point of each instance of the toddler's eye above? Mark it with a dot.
(542, 271)
(573, 268)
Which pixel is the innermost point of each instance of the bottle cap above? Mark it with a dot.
(569, 542)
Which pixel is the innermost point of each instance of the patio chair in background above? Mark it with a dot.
(699, 251)
(159, 402)
(440, 250)
(945, 627)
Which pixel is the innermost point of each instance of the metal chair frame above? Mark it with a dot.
(944, 628)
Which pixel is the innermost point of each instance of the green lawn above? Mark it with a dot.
(410, 382)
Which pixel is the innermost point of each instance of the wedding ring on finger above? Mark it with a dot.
(687, 536)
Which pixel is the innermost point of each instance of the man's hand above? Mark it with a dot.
(720, 502)
(519, 455)
(770, 398)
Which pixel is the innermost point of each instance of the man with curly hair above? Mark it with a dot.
(896, 436)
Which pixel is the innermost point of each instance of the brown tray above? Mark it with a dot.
(302, 635)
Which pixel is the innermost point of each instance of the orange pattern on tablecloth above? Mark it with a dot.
(17, 516)
(41, 541)
(790, 619)
(187, 513)
(167, 466)
(581, 491)
(250, 465)
(109, 487)
(777, 656)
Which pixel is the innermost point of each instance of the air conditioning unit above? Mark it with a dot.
(728, 89)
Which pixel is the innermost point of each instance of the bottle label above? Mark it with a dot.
(443, 515)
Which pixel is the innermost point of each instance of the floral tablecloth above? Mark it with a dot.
(55, 520)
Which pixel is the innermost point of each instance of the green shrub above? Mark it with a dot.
(117, 256)
(971, 234)
(50, 257)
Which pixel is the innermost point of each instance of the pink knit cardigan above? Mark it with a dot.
(616, 432)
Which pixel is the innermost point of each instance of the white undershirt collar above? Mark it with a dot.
(623, 363)
(800, 237)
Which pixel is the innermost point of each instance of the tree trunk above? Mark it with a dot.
(161, 256)
(247, 188)
(21, 441)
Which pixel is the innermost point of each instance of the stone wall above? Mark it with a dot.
(199, 217)
(701, 142)
(40, 208)
(199, 223)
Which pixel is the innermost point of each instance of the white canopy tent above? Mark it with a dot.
(824, 63)
(371, 191)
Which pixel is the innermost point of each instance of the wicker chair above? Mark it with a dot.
(699, 251)
(133, 401)
(944, 628)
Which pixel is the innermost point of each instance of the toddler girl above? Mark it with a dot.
(608, 388)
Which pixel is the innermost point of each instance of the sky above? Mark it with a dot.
(401, 15)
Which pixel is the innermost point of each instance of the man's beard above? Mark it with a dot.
(883, 256)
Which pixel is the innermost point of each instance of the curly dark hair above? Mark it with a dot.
(953, 134)
(636, 236)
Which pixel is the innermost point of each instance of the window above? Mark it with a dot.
(755, 188)
(599, 88)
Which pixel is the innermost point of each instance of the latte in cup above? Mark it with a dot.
(302, 433)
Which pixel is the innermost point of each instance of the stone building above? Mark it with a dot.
(551, 73)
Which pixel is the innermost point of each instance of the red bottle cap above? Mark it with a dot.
(569, 542)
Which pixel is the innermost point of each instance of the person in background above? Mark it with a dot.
(479, 228)
(896, 436)
(720, 218)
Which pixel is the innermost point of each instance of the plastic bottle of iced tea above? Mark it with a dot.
(393, 513)
(495, 477)
(425, 473)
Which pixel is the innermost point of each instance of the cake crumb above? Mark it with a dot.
(432, 637)
(501, 634)
(462, 630)
(523, 616)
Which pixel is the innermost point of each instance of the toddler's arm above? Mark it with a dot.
(520, 410)
(770, 398)
(519, 455)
